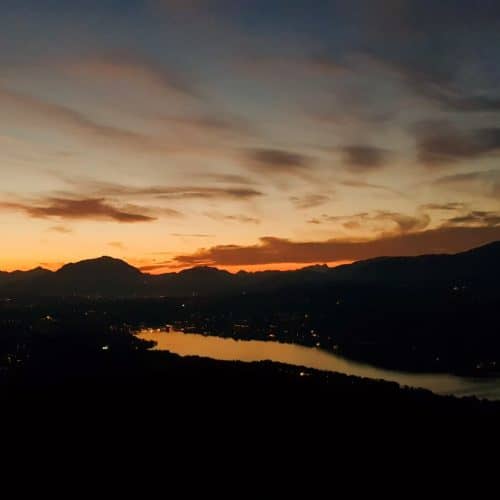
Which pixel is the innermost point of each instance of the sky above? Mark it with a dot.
(247, 134)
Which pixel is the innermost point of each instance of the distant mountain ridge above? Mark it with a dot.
(109, 277)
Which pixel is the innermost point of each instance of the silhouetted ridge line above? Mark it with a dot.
(107, 276)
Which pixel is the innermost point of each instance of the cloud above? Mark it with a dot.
(189, 5)
(110, 189)
(406, 223)
(369, 185)
(59, 229)
(209, 193)
(485, 182)
(476, 218)
(440, 143)
(227, 178)
(207, 124)
(189, 131)
(382, 222)
(36, 112)
(278, 161)
(154, 211)
(271, 250)
(117, 244)
(441, 51)
(87, 208)
(358, 115)
(245, 219)
(364, 158)
(275, 66)
(453, 99)
(184, 235)
(436, 85)
(130, 68)
(202, 193)
(309, 201)
(451, 206)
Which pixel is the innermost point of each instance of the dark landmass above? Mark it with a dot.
(403, 313)
(65, 337)
(93, 366)
(113, 278)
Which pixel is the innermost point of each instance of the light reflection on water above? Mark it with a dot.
(185, 344)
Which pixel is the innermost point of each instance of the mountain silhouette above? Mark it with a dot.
(23, 276)
(478, 264)
(106, 276)
(106, 267)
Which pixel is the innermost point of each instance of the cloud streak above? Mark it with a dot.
(382, 222)
(439, 143)
(162, 192)
(68, 120)
(364, 158)
(485, 182)
(278, 162)
(130, 68)
(271, 250)
(195, 235)
(87, 208)
(117, 244)
(444, 207)
(241, 218)
(60, 229)
(369, 185)
(309, 201)
(182, 192)
(475, 218)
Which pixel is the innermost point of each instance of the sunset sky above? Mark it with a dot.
(247, 134)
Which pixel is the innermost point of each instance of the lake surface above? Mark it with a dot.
(185, 344)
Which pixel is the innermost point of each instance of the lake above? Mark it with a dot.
(189, 344)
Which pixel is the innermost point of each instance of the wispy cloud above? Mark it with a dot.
(209, 193)
(368, 185)
(364, 158)
(241, 218)
(445, 207)
(271, 250)
(30, 108)
(60, 229)
(134, 69)
(215, 124)
(483, 182)
(477, 218)
(191, 235)
(110, 189)
(438, 86)
(379, 222)
(278, 162)
(190, 5)
(87, 208)
(440, 143)
(309, 201)
(274, 67)
(226, 178)
(117, 244)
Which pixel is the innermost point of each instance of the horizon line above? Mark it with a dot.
(232, 269)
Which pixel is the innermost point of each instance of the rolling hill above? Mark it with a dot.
(109, 277)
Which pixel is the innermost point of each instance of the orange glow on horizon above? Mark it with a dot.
(286, 266)
(292, 266)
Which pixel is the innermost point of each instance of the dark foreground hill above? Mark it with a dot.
(479, 265)
(110, 277)
(74, 363)
(78, 378)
